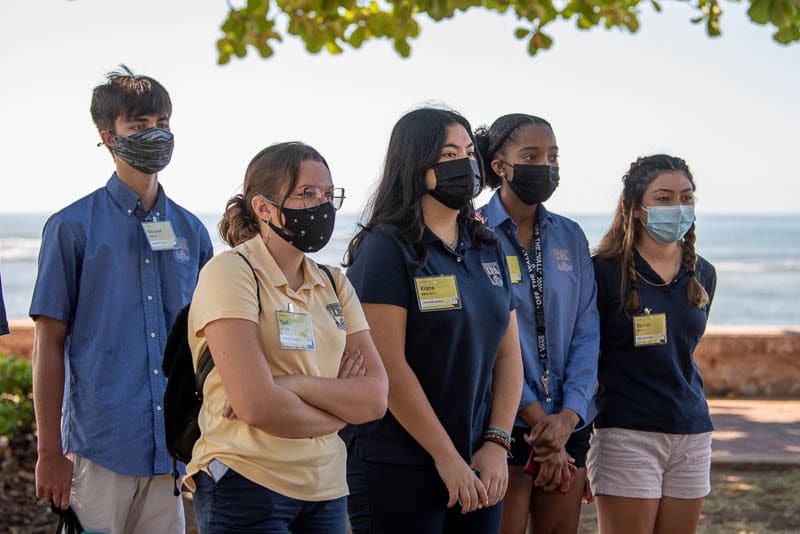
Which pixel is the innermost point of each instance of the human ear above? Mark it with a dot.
(498, 167)
(261, 207)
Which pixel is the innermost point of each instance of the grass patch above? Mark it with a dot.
(742, 501)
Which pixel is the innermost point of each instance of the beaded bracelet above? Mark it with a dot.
(498, 432)
(494, 438)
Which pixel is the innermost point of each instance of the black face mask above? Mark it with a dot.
(307, 230)
(534, 184)
(457, 182)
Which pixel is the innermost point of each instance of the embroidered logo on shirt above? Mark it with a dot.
(493, 272)
(562, 259)
(335, 309)
(182, 250)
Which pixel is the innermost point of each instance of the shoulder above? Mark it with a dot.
(705, 271)
(382, 239)
(605, 268)
(79, 211)
(567, 226)
(225, 265)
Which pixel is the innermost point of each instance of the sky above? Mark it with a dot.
(728, 105)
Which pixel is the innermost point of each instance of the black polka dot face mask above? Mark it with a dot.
(307, 230)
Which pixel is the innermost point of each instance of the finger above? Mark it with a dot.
(481, 494)
(452, 494)
(347, 365)
(363, 371)
(555, 479)
(545, 474)
(566, 482)
(464, 499)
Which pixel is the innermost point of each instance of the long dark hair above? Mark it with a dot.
(275, 168)
(414, 147)
(619, 241)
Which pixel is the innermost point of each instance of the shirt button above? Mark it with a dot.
(158, 407)
(130, 211)
(458, 259)
(549, 399)
(155, 371)
(152, 334)
(149, 297)
(147, 260)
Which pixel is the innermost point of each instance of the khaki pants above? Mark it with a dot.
(108, 502)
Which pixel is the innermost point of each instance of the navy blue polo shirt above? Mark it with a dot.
(3, 319)
(653, 388)
(452, 351)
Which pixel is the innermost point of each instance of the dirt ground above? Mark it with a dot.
(744, 499)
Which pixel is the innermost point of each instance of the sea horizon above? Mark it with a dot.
(757, 258)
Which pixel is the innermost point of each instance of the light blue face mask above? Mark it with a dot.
(668, 224)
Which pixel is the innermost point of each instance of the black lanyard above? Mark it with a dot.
(536, 273)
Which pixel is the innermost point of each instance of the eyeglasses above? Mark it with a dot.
(314, 197)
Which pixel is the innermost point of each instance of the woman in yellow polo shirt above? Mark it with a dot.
(277, 333)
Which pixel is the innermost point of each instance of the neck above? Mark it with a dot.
(522, 214)
(288, 258)
(656, 251)
(144, 185)
(439, 218)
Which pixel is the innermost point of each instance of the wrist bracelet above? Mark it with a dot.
(498, 432)
(495, 438)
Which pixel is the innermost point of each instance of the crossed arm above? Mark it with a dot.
(294, 406)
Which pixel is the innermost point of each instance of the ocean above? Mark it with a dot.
(757, 260)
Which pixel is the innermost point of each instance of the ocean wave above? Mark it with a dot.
(778, 266)
(19, 249)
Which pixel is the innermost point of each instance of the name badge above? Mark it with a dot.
(160, 235)
(649, 329)
(514, 271)
(295, 331)
(436, 293)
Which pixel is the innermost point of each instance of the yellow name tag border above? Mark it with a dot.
(436, 293)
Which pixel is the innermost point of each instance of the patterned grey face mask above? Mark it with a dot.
(148, 151)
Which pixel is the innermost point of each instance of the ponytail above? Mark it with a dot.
(238, 224)
(695, 292)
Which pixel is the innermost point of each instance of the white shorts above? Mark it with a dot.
(108, 502)
(649, 465)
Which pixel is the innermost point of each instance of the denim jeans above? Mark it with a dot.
(235, 504)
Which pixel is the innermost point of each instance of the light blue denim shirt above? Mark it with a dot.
(118, 298)
(571, 319)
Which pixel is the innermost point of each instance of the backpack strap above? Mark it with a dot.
(206, 363)
(330, 277)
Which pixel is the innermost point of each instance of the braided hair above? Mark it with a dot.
(619, 241)
(494, 139)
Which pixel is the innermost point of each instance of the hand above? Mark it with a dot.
(554, 471)
(553, 431)
(588, 497)
(462, 484)
(227, 411)
(54, 478)
(491, 462)
(352, 365)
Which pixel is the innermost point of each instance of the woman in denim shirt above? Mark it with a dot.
(556, 409)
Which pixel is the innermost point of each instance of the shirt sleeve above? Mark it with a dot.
(225, 289)
(55, 293)
(379, 272)
(351, 306)
(3, 318)
(581, 370)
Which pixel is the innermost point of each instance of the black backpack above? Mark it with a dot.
(183, 396)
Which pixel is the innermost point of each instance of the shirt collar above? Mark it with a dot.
(129, 201)
(496, 214)
(644, 268)
(464, 241)
(264, 261)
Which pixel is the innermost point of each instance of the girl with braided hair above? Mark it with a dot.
(559, 330)
(650, 457)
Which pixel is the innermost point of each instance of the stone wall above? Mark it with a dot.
(734, 361)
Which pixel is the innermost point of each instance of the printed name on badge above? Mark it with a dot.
(160, 235)
(295, 330)
(650, 329)
(435, 293)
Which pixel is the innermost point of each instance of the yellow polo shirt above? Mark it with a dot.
(310, 469)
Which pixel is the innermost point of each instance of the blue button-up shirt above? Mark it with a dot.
(3, 319)
(98, 275)
(571, 319)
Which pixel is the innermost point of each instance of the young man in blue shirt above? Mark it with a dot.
(115, 267)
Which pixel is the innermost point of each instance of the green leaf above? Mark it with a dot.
(787, 35)
(522, 33)
(402, 47)
(656, 5)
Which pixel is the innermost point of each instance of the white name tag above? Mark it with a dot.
(295, 331)
(160, 235)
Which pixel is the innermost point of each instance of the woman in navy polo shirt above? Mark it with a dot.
(553, 279)
(650, 460)
(433, 285)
